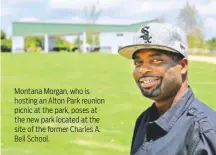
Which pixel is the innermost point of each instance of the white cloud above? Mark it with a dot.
(78, 19)
(29, 19)
(6, 11)
(116, 11)
(109, 20)
(75, 5)
(210, 23)
(209, 27)
(14, 2)
(75, 19)
(135, 7)
(11, 8)
(204, 7)
(129, 6)
(9, 31)
(208, 9)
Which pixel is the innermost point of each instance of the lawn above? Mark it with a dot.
(106, 76)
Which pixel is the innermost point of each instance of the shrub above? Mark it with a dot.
(6, 45)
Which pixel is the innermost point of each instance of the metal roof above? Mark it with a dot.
(39, 28)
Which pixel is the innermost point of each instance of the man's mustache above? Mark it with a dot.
(148, 75)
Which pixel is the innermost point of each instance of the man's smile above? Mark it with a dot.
(149, 82)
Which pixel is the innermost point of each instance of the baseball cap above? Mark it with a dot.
(161, 36)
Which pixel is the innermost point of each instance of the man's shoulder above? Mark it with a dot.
(202, 131)
(204, 116)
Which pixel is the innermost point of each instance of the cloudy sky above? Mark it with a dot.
(112, 11)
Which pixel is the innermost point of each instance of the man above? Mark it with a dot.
(177, 123)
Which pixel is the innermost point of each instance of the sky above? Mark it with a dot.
(111, 12)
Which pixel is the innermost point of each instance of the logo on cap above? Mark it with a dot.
(145, 35)
(182, 47)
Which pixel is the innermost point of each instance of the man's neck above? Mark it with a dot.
(164, 105)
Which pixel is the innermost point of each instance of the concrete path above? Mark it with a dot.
(202, 58)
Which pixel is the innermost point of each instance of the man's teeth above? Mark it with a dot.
(148, 81)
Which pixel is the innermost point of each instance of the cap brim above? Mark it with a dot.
(128, 51)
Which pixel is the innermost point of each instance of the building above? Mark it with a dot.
(111, 37)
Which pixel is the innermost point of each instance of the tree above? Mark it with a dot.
(3, 35)
(188, 19)
(93, 38)
(196, 39)
(92, 14)
(211, 43)
(5, 43)
(33, 43)
(78, 41)
(29, 41)
(63, 44)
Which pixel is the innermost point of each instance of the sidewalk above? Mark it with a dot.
(202, 58)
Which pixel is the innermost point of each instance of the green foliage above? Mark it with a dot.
(93, 38)
(78, 42)
(33, 44)
(32, 41)
(211, 44)
(195, 39)
(6, 45)
(3, 35)
(6, 42)
(61, 43)
(188, 18)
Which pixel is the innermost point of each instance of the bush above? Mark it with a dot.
(33, 49)
(195, 41)
(6, 45)
(63, 45)
(32, 44)
(211, 44)
(3, 35)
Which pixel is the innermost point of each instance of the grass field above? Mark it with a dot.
(108, 77)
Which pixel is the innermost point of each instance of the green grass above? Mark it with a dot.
(108, 77)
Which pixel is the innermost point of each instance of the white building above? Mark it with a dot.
(111, 37)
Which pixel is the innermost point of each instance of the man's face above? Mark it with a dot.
(156, 74)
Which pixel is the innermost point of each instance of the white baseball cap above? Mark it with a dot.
(161, 36)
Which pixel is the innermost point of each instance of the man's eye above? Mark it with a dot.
(157, 60)
(137, 63)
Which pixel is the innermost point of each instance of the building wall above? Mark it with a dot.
(112, 41)
(18, 44)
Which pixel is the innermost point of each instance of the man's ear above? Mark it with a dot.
(184, 65)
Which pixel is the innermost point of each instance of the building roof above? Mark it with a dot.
(39, 28)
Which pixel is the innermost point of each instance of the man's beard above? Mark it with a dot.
(152, 92)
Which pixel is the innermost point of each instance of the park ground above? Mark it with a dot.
(107, 76)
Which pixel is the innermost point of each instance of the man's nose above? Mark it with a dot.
(145, 68)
